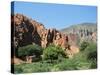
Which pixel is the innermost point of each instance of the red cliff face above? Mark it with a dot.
(26, 31)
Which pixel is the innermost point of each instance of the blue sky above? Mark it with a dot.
(57, 15)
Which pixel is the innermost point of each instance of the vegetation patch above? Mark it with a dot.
(53, 59)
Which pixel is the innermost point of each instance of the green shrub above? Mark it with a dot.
(93, 64)
(18, 69)
(66, 64)
(30, 50)
(83, 45)
(85, 59)
(90, 54)
(33, 67)
(53, 52)
(91, 51)
(71, 64)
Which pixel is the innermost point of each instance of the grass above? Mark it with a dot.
(63, 65)
(85, 59)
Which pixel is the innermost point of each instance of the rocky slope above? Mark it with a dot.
(82, 32)
(26, 31)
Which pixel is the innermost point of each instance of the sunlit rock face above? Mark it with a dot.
(81, 32)
(26, 31)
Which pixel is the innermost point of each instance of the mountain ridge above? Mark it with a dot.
(82, 32)
(80, 24)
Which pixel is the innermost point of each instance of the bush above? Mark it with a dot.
(53, 52)
(83, 45)
(94, 64)
(30, 50)
(72, 64)
(91, 51)
(90, 54)
(18, 69)
(85, 59)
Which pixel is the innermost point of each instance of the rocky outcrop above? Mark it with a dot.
(26, 31)
(81, 32)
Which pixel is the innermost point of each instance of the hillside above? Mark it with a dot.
(91, 27)
(83, 31)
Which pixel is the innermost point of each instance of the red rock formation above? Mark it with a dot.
(72, 39)
(27, 31)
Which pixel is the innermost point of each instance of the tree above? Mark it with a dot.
(53, 52)
(30, 50)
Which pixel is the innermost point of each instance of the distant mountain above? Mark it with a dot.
(83, 27)
(83, 31)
